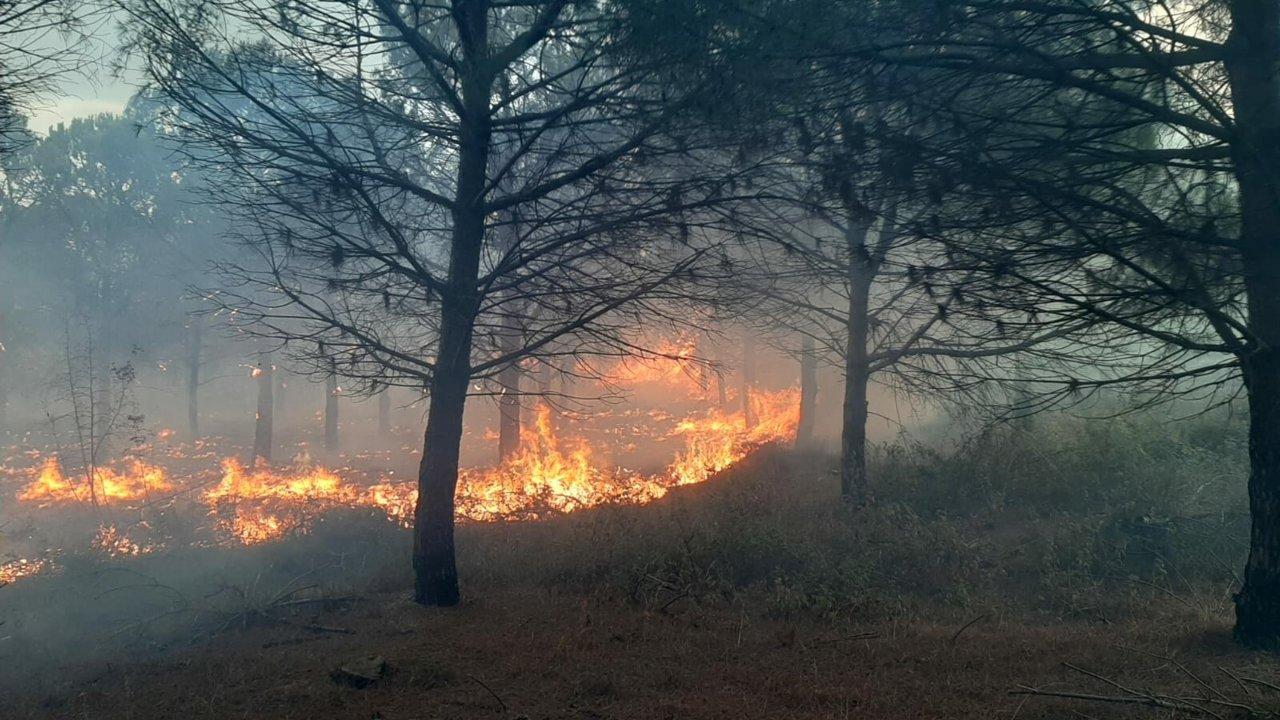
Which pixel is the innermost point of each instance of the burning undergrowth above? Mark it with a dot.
(170, 496)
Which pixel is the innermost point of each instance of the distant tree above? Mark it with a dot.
(101, 228)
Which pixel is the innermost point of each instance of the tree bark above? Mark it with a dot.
(808, 393)
(265, 417)
(434, 561)
(857, 370)
(193, 379)
(1253, 70)
(331, 412)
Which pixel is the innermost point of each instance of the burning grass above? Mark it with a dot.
(556, 471)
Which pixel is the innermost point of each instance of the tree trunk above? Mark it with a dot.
(384, 410)
(331, 412)
(434, 562)
(193, 379)
(282, 386)
(748, 379)
(265, 417)
(808, 392)
(102, 404)
(509, 412)
(4, 380)
(509, 399)
(853, 431)
(1254, 74)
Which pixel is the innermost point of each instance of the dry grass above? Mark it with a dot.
(758, 595)
(544, 655)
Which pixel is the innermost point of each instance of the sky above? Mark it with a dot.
(80, 98)
(97, 89)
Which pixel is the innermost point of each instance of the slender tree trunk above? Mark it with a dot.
(748, 379)
(434, 561)
(509, 412)
(4, 380)
(1254, 73)
(384, 410)
(193, 378)
(808, 392)
(265, 417)
(331, 412)
(853, 432)
(102, 404)
(722, 392)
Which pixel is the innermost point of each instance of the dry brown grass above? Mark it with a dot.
(542, 655)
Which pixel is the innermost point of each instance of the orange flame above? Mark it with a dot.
(547, 475)
(138, 481)
(261, 504)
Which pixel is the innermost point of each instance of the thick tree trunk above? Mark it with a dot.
(1254, 73)
(853, 432)
(384, 411)
(193, 379)
(434, 562)
(331, 412)
(808, 393)
(264, 420)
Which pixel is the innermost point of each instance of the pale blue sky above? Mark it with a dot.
(95, 90)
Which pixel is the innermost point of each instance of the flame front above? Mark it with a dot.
(549, 474)
(261, 504)
(138, 481)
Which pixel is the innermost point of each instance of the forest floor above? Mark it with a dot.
(536, 655)
(758, 596)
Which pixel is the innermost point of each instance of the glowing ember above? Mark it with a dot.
(111, 541)
(138, 481)
(15, 570)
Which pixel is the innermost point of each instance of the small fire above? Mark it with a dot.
(554, 471)
(397, 500)
(547, 475)
(258, 505)
(720, 439)
(137, 482)
(15, 570)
